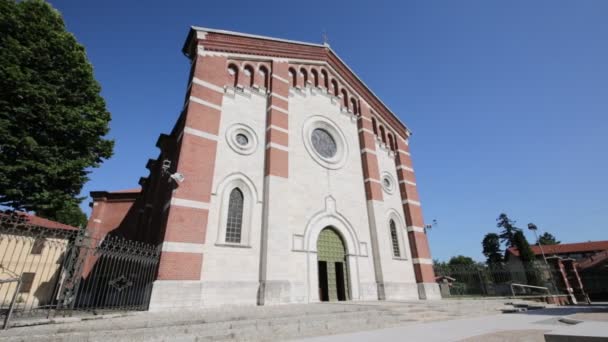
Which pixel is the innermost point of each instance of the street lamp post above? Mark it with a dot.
(534, 228)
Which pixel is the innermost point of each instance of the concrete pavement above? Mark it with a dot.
(530, 326)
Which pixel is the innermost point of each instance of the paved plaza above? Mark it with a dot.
(442, 320)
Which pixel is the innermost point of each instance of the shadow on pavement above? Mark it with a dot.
(570, 310)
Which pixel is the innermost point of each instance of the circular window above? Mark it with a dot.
(325, 142)
(388, 183)
(241, 139)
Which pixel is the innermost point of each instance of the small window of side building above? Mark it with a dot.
(38, 246)
(27, 280)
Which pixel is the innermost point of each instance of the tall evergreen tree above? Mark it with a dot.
(491, 249)
(52, 117)
(525, 251)
(508, 230)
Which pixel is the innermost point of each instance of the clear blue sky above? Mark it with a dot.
(508, 100)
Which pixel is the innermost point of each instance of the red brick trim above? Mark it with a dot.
(424, 273)
(187, 225)
(277, 118)
(277, 159)
(277, 137)
(230, 43)
(373, 191)
(419, 245)
(180, 266)
(196, 153)
(277, 162)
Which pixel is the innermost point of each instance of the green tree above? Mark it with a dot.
(525, 251)
(491, 249)
(52, 117)
(461, 260)
(547, 239)
(507, 234)
(528, 258)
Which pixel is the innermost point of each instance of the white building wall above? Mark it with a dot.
(398, 272)
(230, 274)
(316, 196)
(317, 193)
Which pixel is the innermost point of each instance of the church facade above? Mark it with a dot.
(284, 180)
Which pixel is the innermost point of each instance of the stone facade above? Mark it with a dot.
(308, 147)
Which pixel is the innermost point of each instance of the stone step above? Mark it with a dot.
(245, 329)
(254, 323)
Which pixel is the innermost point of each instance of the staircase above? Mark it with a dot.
(522, 306)
(264, 323)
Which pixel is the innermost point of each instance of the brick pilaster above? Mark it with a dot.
(276, 172)
(423, 264)
(188, 207)
(373, 188)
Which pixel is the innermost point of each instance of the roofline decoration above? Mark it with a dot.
(565, 248)
(122, 195)
(220, 41)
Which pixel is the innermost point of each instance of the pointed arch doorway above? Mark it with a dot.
(332, 266)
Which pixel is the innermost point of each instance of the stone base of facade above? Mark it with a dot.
(401, 291)
(176, 294)
(367, 291)
(283, 292)
(179, 294)
(429, 291)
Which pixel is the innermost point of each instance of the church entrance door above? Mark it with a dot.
(332, 266)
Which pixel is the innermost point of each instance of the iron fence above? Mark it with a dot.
(48, 271)
(595, 282)
(496, 280)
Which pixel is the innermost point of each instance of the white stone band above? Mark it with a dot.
(367, 150)
(180, 202)
(182, 247)
(207, 85)
(415, 229)
(416, 203)
(277, 146)
(424, 261)
(280, 129)
(280, 97)
(404, 181)
(403, 167)
(280, 78)
(277, 108)
(199, 133)
(205, 103)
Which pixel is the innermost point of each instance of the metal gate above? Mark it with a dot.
(48, 271)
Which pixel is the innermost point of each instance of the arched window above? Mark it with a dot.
(353, 105)
(390, 141)
(234, 222)
(334, 85)
(395, 239)
(304, 76)
(233, 71)
(374, 126)
(382, 135)
(315, 77)
(264, 74)
(325, 79)
(249, 73)
(294, 77)
(344, 98)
